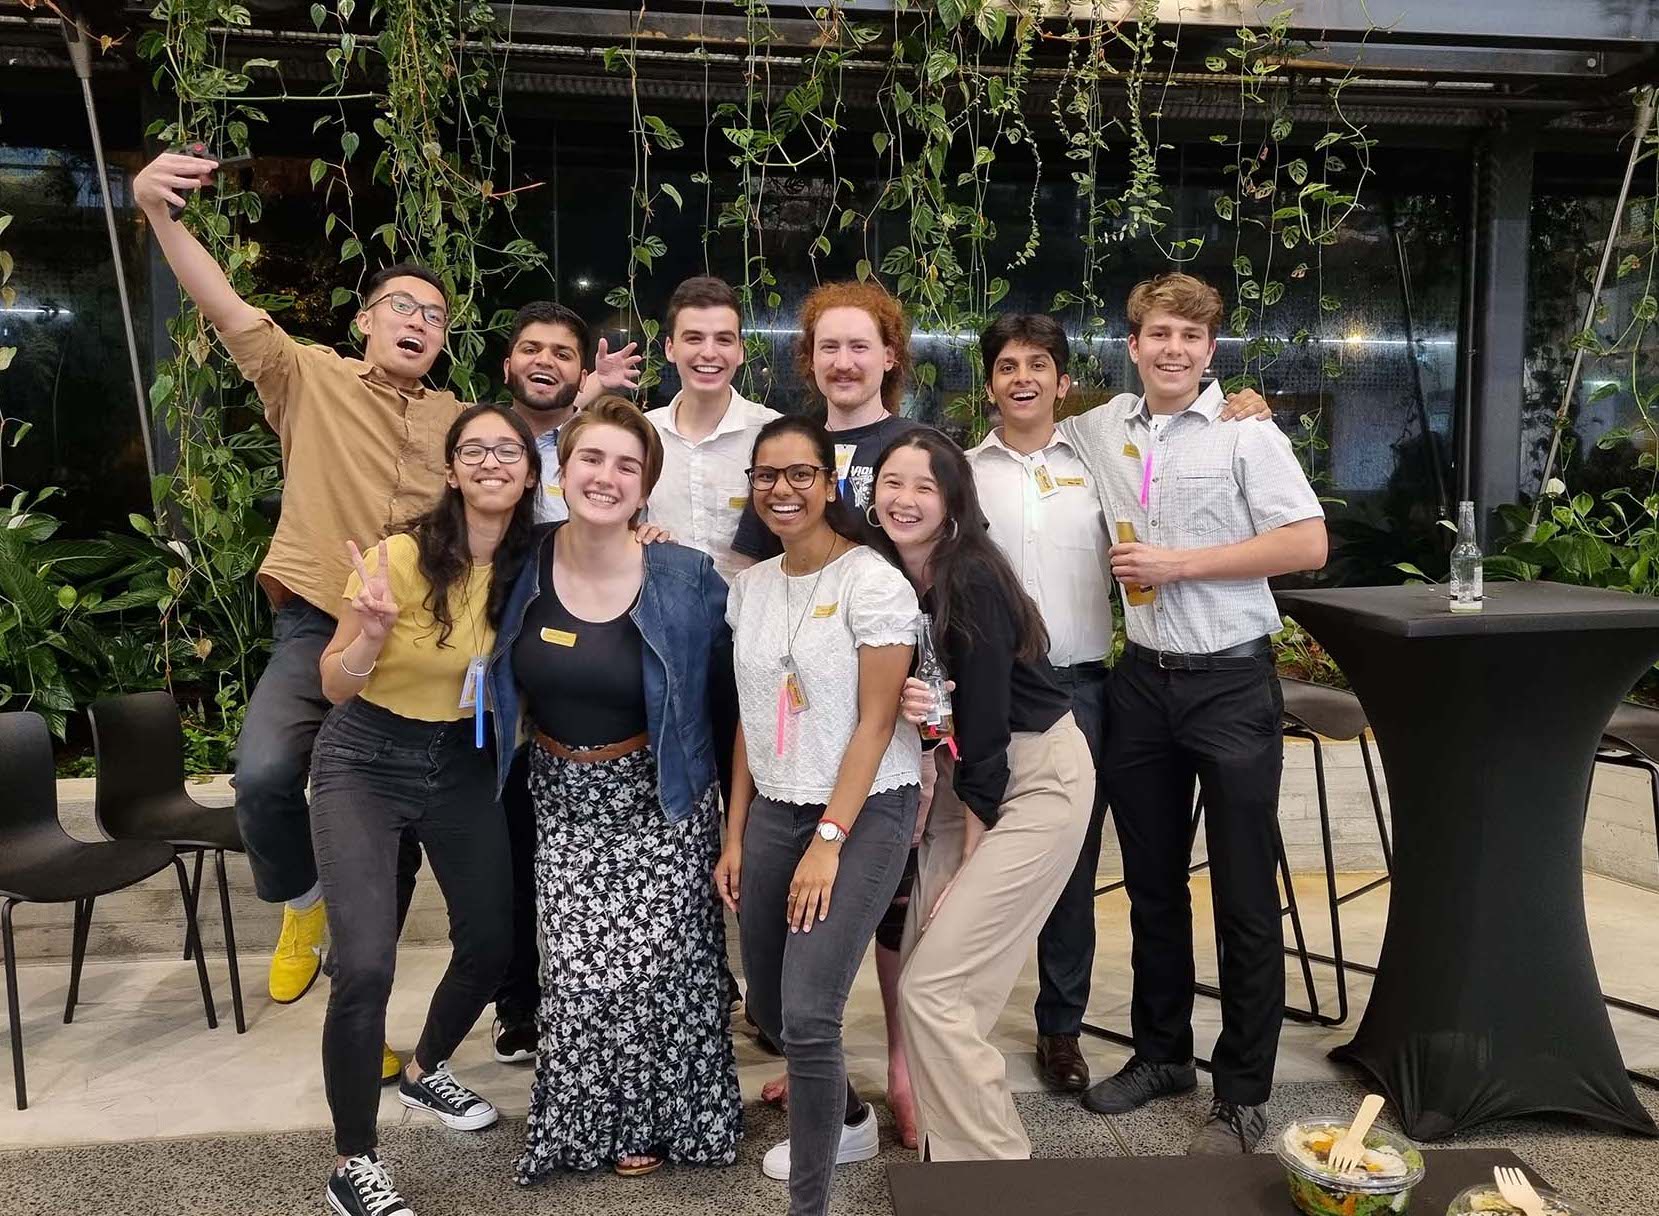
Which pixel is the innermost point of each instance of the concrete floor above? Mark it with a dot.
(139, 1062)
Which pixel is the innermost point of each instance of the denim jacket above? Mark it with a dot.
(690, 696)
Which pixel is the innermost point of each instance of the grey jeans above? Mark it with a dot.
(798, 982)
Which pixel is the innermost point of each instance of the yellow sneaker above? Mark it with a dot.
(390, 1065)
(299, 953)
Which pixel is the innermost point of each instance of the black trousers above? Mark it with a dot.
(1065, 948)
(520, 992)
(1221, 727)
(374, 777)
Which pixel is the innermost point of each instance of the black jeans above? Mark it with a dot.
(798, 982)
(520, 992)
(375, 774)
(1223, 728)
(273, 756)
(1065, 948)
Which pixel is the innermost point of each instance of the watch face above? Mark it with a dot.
(828, 831)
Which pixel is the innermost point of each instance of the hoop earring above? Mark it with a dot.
(870, 516)
(954, 529)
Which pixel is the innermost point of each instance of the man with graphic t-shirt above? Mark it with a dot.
(855, 350)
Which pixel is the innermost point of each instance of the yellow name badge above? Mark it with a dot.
(555, 490)
(737, 504)
(825, 610)
(1069, 481)
(1131, 451)
(559, 637)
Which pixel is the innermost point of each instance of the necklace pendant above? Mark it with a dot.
(788, 662)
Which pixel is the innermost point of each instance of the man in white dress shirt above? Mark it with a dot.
(1045, 514)
(708, 430)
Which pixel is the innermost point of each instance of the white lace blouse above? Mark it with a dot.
(819, 620)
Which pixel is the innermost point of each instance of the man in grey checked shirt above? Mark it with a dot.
(1216, 511)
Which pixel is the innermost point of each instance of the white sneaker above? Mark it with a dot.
(859, 1142)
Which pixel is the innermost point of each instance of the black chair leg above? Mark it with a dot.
(1330, 886)
(1294, 911)
(195, 895)
(12, 1015)
(230, 942)
(1382, 820)
(77, 956)
(193, 941)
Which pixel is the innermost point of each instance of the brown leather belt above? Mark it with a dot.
(593, 755)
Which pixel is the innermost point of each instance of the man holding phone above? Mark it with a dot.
(362, 449)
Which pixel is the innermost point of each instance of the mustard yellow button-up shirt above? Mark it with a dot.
(358, 456)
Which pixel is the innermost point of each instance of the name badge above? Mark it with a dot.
(1131, 451)
(470, 686)
(825, 610)
(1069, 481)
(559, 637)
(737, 503)
(555, 490)
(844, 459)
(1044, 480)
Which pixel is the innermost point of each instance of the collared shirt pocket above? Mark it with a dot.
(1203, 508)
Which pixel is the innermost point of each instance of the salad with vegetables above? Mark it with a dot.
(1485, 1198)
(1388, 1169)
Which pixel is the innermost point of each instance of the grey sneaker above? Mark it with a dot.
(1230, 1129)
(1137, 1083)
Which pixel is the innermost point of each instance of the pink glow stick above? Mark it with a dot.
(1146, 478)
(783, 715)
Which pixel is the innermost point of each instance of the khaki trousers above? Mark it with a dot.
(960, 967)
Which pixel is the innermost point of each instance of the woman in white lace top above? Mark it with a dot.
(825, 784)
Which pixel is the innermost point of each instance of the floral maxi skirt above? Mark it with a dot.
(635, 1051)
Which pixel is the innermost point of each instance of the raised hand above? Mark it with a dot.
(374, 604)
(168, 179)
(618, 371)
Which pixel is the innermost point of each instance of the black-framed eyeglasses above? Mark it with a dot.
(405, 305)
(800, 476)
(509, 451)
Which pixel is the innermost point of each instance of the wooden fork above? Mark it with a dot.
(1347, 1152)
(1516, 1191)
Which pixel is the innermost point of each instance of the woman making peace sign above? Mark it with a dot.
(401, 749)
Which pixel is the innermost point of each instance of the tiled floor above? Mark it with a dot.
(139, 1064)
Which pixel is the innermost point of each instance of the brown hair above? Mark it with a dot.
(890, 320)
(703, 291)
(1188, 298)
(611, 410)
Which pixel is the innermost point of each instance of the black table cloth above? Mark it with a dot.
(1486, 1003)
(1151, 1186)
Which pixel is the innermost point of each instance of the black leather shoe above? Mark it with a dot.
(1061, 1062)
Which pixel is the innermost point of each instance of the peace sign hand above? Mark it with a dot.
(618, 372)
(374, 605)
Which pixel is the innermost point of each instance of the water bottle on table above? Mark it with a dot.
(1466, 591)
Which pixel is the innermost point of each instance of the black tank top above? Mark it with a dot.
(584, 683)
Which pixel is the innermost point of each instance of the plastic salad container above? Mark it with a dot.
(1483, 1197)
(1381, 1183)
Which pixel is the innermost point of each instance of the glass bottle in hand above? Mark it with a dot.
(941, 722)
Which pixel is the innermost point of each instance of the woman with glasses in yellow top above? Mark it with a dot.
(406, 746)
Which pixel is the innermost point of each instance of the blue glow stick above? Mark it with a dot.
(478, 712)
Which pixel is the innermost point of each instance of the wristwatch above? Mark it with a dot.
(831, 833)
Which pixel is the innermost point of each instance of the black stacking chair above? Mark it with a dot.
(1631, 740)
(141, 796)
(1312, 711)
(41, 863)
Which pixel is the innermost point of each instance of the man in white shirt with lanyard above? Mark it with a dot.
(708, 430)
(1043, 512)
(548, 383)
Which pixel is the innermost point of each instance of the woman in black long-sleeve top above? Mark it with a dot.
(991, 869)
